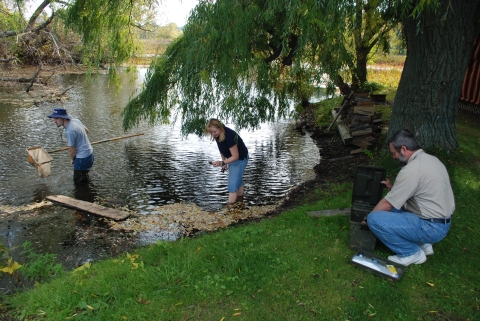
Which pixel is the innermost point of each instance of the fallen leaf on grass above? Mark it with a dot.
(11, 267)
(140, 300)
(431, 284)
(83, 267)
(236, 314)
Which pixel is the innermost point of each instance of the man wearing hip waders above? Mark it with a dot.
(79, 147)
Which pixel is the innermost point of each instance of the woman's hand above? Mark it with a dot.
(220, 163)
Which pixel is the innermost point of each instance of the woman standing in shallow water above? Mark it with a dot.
(234, 155)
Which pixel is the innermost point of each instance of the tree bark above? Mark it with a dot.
(437, 55)
(361, 66)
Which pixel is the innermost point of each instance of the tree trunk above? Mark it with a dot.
(361, 67)
(437, 56)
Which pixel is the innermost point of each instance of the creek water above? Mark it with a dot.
(157, 168)
(160, 167)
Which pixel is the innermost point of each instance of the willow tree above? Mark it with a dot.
(241, 61)
(369, 23)
(244, 60)
(439, 43)
(106, 27)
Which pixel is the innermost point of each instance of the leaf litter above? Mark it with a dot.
(188, 219)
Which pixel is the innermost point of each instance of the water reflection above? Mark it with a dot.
(155, 169)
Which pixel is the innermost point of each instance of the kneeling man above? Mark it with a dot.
(417, 210)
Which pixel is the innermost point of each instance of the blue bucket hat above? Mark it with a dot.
(59, 113)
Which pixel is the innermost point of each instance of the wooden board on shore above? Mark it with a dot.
(332, 212)
(343, 130)
(91, 208)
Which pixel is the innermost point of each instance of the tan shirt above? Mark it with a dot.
(423, 187)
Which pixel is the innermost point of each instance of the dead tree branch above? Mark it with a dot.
(29, 28)
(9, 59)
(33, 79)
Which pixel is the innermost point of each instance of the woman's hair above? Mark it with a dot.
(217, 124)
(405, 138)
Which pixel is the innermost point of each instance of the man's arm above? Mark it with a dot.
(383, 205)
(73, 152)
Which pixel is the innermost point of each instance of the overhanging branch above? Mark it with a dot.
(29, 29)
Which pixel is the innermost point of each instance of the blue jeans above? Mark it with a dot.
(403, 232)
(235, 174)
(83, 164)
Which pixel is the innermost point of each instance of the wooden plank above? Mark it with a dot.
(339, 158)
(361, 119)
(343, 130)
(364, 103)
(356, 151)
(91, 208)
(362, 94)
(333, 212)
(361, 127)
(346, 102)
(363, 143)
(362, 132)
(364, 110)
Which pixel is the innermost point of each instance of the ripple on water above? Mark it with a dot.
(155, 169)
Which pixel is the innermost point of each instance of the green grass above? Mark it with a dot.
(323, 110)
(289, 267)
(389, 77)
(382, 59)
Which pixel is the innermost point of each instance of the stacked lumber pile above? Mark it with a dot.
(357, 121)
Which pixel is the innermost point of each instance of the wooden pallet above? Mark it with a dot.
(91, 208)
